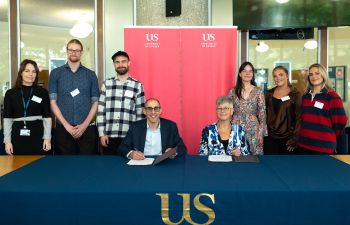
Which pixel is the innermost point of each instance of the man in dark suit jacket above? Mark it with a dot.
(151, 136)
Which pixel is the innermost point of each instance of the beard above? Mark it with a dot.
(73, 59)
(122, 70)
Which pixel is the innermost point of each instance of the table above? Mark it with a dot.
(10, 163)
(104, 190)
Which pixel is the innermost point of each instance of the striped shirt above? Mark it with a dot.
(120, 103)
(323, 119)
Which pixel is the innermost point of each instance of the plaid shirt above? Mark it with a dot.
(120, 103)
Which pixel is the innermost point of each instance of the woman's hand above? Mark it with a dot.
(9, 148)
(236, 152)
(260, 140)
(47, 145)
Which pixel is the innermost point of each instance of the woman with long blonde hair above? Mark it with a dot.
(323, 115)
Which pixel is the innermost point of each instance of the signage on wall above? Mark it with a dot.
(56, 62)
(338, 79)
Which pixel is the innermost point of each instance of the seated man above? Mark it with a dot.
(151, 136)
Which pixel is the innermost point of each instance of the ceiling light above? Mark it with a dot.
(81, 29)
(262, 47)
(3, 2)
(282, 1)
(310, 44)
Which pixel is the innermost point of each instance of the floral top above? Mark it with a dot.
(211, 145)
(250, 113)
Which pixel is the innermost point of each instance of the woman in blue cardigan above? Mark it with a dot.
(222, 137)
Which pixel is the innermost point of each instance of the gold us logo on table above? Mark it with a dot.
(186, 208)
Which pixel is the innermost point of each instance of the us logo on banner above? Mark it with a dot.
(187, 69)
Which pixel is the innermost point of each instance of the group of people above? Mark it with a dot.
(283, 121)
(249, 122)
(74, 99)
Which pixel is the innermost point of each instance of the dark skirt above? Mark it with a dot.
(274, 146)
(28, 145)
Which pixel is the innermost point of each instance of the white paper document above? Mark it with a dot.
(144, 162)
(220, 158)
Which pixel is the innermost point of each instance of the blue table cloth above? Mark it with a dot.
(283, 190)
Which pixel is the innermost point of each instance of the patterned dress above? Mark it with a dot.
(250, 113)
(211, 145)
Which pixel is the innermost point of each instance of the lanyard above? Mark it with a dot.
(26, 103)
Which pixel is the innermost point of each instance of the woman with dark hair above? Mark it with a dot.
(323, 115)
(283, 109)
(27, 115)
(249, 108)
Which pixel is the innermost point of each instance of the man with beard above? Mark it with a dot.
(121, 102)
(74, 94)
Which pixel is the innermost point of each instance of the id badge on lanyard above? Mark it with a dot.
(25, 131)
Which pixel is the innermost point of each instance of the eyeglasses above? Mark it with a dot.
(247, 71)
(77, 51)
(223, 109)
(150, 109)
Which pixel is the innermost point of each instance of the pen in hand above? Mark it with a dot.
(137, 155)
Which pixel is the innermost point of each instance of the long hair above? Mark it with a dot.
(239, 83)
(22, 67)
(284, 70)
(324, 74)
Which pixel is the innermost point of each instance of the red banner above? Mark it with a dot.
(208, 71)
(186, 68)
(155, 62)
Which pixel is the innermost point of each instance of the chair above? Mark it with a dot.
(342, 144)
(2, 145)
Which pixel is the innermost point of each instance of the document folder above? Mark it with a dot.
(164, 156)
(246, 158)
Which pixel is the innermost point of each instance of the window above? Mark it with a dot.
(46, 27)
(282, 52)
(4, 51)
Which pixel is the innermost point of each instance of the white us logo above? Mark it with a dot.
(152, 37)
(208, 37)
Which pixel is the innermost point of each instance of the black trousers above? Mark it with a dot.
(28, 145)
(66, 145)
(113, 146)
(274, 146)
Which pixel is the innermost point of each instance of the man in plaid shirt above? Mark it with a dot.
(121, 102)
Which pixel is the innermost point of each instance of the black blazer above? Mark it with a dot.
(136, 137)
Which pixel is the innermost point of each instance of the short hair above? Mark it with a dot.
(324, 74)
(152, 99)
(120, 53)
(22, 67)
(224, 99)
(75, 41)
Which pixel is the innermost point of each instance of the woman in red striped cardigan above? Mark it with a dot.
(323, 116)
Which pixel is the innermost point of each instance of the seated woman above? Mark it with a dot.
(222, 137)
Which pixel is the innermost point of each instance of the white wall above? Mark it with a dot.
(117, 14)
(221, 13)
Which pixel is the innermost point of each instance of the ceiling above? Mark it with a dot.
(52, 13)
(264, 14)
(248, 14)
